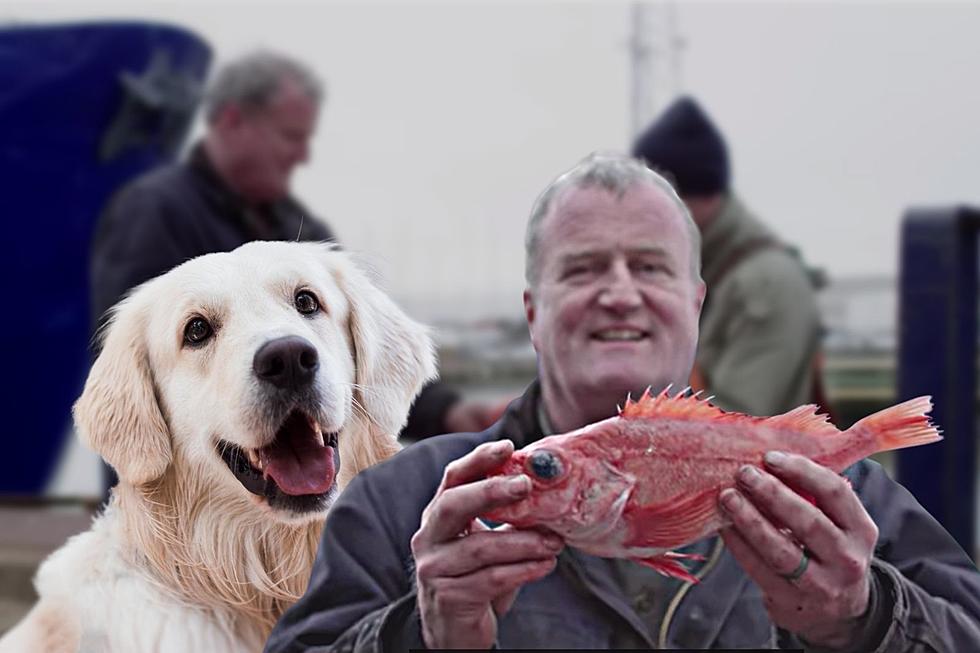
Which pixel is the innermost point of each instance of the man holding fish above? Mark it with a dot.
(586, 556)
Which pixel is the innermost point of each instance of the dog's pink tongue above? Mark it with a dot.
(297, 472)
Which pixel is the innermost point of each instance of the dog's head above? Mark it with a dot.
(278, 370)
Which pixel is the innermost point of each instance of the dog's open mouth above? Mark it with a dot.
(299, 462)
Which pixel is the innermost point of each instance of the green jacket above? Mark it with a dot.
(760, 325)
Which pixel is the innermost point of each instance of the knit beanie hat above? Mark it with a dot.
(686, 144)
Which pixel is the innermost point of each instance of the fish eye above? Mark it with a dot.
(545, 465)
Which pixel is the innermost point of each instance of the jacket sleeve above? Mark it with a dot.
(428, 413)
(138, 237)
(770, 326)
(930, 584)
(361, 596)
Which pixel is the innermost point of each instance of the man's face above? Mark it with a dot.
(615, 307)
(272, 141)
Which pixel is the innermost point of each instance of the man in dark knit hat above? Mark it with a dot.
(760, 328)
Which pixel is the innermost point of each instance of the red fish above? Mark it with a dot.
(647, 481)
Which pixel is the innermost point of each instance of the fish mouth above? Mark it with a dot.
(619, 334)
(295, 472)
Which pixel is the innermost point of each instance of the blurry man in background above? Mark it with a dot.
(261, 112)
(760, 326)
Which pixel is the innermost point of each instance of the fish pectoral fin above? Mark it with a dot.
(667, 565)
(697, 557)
(680, 521)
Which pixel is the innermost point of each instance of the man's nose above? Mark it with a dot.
(620, 293)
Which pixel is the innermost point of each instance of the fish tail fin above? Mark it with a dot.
(904, 425)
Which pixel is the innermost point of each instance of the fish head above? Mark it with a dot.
(575, 490)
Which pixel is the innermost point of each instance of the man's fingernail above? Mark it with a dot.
(499, 449)
(519, 485)
(553, 542)
(730, 499)
(775, 458)
(749, 475)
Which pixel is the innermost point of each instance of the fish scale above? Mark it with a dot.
(646, 482)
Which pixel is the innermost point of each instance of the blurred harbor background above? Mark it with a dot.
(443, 121)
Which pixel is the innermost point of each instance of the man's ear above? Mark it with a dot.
(528, 306)
(530, 313)
(393, 357)
(118, 415)
(228, 117)
(699, 295)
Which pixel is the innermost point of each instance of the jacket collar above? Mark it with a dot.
(263, 221)
(218, 188)
(520, 422)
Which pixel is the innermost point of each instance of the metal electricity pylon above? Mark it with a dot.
(656, 49)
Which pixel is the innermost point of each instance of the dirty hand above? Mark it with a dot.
(468, 574)
(818, 591)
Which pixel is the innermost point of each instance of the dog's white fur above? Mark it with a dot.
(185, 559)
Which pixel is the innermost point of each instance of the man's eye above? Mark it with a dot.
(306, 303)
(197, 331)
(579, 271)
(652, 268)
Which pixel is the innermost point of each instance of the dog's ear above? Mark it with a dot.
(393, 358)
(118, 414)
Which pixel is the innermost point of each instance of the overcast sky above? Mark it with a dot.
(444, 121)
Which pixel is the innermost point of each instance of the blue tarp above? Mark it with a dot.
(83, 109)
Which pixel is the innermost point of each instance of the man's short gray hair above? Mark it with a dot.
(252, 80)
(615, 173)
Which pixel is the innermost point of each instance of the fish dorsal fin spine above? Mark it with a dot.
(678, 406)
(805, 419)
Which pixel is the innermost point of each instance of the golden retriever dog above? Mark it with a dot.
(234, 395)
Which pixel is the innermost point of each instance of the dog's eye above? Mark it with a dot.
(197, 331)
(306, 303)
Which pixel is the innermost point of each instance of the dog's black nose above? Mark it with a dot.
(289, 363)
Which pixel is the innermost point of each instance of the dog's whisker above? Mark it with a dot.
(361, 387)
(364, 412)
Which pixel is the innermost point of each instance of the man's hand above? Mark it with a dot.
(467, 574)
(771, 522)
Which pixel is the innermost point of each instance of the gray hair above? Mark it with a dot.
(615, 173)
(252, 80)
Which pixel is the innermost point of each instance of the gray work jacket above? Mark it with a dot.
(361, 596)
